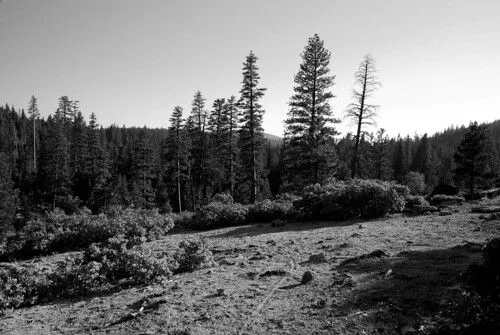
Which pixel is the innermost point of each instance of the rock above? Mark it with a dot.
(307, 277)
(270, 273)
(319, 304)
(317, 258)
(227, 261)
(221, 292)
(445, 213)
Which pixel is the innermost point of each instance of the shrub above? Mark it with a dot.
(224, 198)
(192, 255)
(415, 200)
(441, 198)
(217, 215)
(19, 287)
(342, 200)
(115, 261)
(415, 182)
(57, 231)
(270, 210)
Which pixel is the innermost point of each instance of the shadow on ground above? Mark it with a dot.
(267, 228)
(395, 292)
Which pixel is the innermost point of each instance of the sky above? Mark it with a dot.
(131, 62)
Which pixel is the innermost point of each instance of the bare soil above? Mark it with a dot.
(407, 266)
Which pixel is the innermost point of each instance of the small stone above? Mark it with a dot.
(445, 213)
(221, 292)
(227, 261)
(320, 304)
(307, 277)
(317, 258)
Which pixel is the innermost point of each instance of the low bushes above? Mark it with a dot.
(58, 232)
(218, 215)
(415, 200)
(101, 267)
(270, 210)
(342, 200)
(20, 287)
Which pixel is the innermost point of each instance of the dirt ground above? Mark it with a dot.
(255, 288)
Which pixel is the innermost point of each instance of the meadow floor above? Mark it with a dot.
(255, 286)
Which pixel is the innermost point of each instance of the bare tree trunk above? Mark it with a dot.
(34, 145)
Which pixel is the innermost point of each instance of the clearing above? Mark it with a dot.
(255, 287)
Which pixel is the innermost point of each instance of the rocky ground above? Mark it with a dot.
(407, 266)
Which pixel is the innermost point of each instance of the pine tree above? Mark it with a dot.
(9, 197)
(34, 114)
(218, 147)
(399, 161)
(55, 160)
(473, 159)
(65, 110)
(309, 132)
(199, 119)
(143, 171)
(231, 118)
(251, 132)
(78, 148)
(425, 161)
(178, 151)
(359, 111)
(381, 156)
(97, 164)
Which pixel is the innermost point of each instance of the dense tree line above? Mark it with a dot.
(67, 161)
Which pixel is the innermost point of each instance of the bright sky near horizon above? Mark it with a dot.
(131, 62)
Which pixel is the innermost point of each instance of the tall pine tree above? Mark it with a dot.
(34, 114)
(178, 152)
(251, 132)
(309, 132)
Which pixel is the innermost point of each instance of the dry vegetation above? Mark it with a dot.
(253, 284)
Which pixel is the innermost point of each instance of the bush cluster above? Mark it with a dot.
(218, 215)
(270, 210)
(21, 287)
(59, 232)
(102, 266)
(342, 200)
(415, 200)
